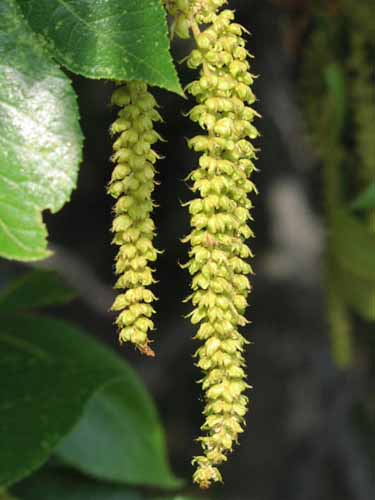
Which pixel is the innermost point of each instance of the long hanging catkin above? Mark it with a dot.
(219, 218)
(132, 184)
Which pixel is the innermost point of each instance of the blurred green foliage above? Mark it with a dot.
(339, 101)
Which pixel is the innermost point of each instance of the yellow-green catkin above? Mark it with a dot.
(220, 214)
(132, 184)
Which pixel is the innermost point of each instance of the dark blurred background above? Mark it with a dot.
(309, 435)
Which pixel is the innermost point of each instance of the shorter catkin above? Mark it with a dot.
(132, 184)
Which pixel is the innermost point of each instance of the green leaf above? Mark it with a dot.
(55, 484)
(35, 289)
(353, 246)
(40, 138)
(119, 439)
(112, 39)
(49, 371)
(358, 293)
(366, 200)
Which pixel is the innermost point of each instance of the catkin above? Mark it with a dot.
(220, 215)
(131, 185)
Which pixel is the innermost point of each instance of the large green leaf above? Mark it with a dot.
(119, 439)
(353, 246)
(112, 39)
(35, 289)
(40, 138)
(55, 484)
(49, 371)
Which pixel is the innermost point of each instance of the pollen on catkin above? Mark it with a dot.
(220, 214)
(132, 184)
